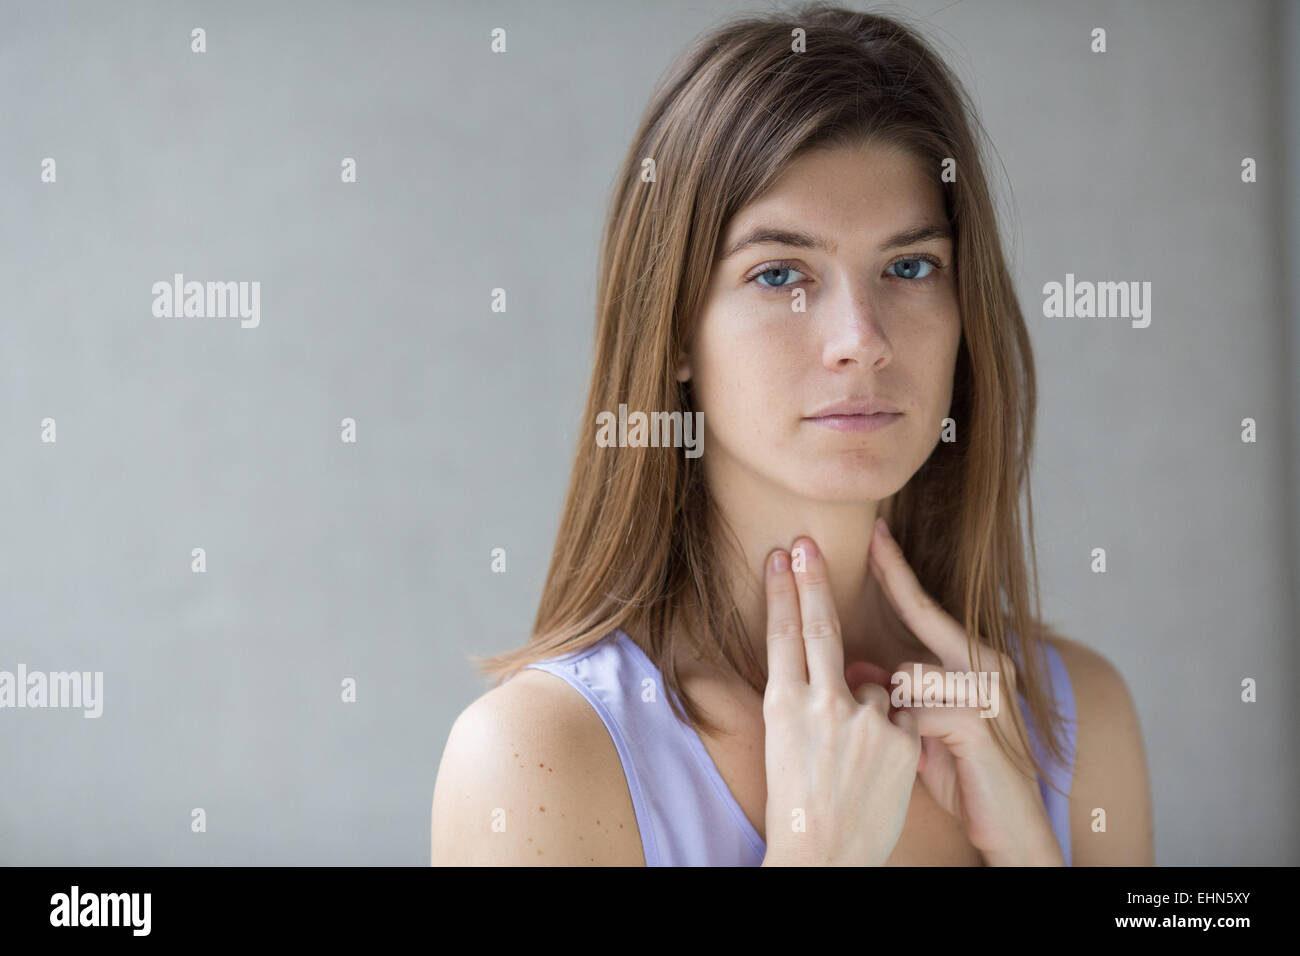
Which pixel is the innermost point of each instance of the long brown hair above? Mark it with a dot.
(635, 550)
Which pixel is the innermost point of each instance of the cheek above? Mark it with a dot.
(946, 349)
(744, 378)
(930, 342)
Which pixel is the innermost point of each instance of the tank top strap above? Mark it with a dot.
(684, 811)
(1058, 773)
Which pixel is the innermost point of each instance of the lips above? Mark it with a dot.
(855, 423)
(856, 406)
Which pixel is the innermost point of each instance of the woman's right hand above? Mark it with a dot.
(840, 768)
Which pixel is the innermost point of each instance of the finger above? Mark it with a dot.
(823, 643)
(933, 626)
(961, 729)
(873, 696)
(864, 672)
(906, 720)
(785, 653)
(937, 757)
(926, 685)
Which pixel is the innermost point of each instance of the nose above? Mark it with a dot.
(854, 333)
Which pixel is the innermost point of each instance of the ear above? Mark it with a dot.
(683, 369)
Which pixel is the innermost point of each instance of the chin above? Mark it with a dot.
(846, 485)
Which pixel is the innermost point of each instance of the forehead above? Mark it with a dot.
(850, 192)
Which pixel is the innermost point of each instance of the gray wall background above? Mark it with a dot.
(371, 560)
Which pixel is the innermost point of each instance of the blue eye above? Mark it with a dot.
(912, 267)
(776, 276)
(775, 270)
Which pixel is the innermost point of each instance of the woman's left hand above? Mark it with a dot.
(963, 768)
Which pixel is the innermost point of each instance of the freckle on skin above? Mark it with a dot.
(543, 809)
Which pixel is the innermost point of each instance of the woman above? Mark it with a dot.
(802, 252)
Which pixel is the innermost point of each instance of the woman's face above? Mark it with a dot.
(880, 322)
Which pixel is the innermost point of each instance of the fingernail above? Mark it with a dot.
(780, 562)
(809, 547)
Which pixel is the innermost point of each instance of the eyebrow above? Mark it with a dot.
(805, 240)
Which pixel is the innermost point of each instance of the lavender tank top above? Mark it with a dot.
(685, 811)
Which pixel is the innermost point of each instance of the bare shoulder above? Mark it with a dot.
(530, 776)
(1091, 672)
(1110, 787)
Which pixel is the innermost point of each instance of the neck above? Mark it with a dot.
(772, 519)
